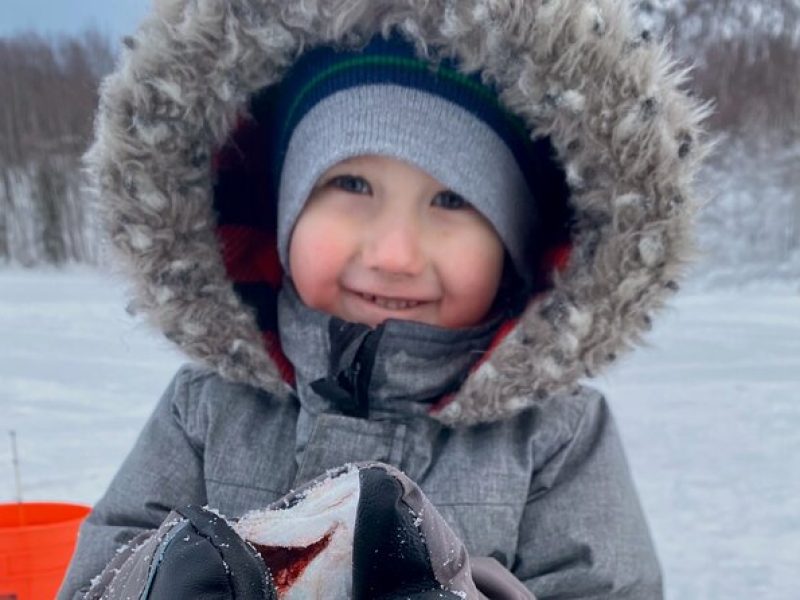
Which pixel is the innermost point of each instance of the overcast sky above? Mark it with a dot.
(114, 17)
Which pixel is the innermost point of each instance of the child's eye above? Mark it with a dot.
(351, 183)
(450, 201)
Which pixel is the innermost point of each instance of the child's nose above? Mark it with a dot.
(394, 245)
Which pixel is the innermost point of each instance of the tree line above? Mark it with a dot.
(48, 95)
(746, 58)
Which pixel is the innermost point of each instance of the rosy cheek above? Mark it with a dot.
(317, 258)
(471, 276)
(472, 297)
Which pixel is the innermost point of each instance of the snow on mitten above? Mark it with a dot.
(194, 554)
(364, 531)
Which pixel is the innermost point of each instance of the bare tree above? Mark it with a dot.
(48, 95)
(746, 57)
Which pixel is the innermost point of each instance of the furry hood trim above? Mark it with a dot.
(579, 71)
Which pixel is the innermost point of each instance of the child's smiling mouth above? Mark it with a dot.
(387, 302)
(390, 303)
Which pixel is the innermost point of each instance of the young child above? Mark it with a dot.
(346, 213)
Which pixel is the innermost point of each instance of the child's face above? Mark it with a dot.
(379, 238)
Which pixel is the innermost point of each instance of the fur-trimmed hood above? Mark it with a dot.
(173, 120)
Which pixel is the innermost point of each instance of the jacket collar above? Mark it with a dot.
(398, 367)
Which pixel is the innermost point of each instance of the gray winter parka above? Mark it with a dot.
(523, 462)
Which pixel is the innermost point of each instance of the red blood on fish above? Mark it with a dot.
(288, 564)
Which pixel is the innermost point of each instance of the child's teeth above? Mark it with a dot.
(389, 303)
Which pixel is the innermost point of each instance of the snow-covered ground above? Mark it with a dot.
(710, 415)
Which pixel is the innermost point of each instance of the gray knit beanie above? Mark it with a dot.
(383, 100)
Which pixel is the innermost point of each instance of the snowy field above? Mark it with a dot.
(710, 415)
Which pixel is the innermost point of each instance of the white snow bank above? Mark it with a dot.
(78, 378)
(710, 416)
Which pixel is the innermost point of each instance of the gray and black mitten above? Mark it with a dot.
(364, 531)
(193, 554)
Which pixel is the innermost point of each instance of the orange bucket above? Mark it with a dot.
(36, 544)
